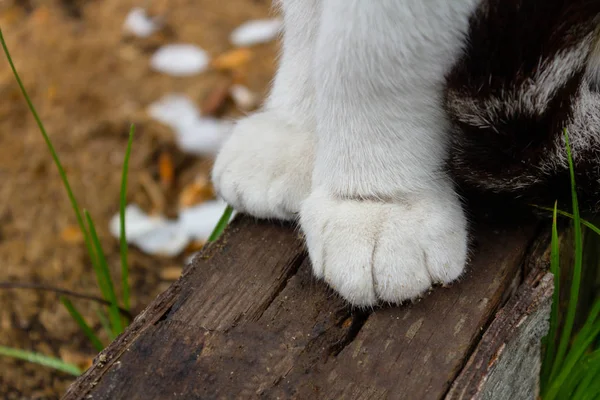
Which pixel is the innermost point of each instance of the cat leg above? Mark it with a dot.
(383, 222)
(527, 74)
(265, 167)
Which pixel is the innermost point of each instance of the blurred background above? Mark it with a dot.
(180, 70)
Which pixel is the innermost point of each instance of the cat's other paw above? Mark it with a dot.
(372, 252)
(264, 168)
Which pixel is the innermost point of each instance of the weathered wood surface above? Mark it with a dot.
(507, 360)
(248, 320)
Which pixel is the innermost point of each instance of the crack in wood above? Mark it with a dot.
(248, 319)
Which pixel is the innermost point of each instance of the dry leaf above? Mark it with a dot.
(195, 193)
(170, 273)
(216, 99)
(194, 246)
(232, 60)
(83, 361)
(166, 170)
(154, 191)
(72, 234)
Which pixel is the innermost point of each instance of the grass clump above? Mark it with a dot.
(571, 365)
(114, 324)
(112, 320)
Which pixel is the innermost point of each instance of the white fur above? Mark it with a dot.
(593, 69)
(583, 131)
(265, 167)
(382, 220)
(391, 251)
(532, 97)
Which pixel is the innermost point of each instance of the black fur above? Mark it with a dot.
(510, 43)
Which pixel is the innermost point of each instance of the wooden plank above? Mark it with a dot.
(507, 361)
(247, 319)
(416, 351)
(265, 255)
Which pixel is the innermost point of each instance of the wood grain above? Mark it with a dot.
(248, 320)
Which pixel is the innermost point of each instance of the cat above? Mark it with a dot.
(378, 109)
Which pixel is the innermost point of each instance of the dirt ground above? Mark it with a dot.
(89, 81)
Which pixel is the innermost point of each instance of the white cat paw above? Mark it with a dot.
(374, 252)
(265, 167)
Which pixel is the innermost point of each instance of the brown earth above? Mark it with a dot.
(89, 81)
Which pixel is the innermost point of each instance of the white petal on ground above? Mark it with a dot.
(180, 60)
(203, 137)
(193, 133)
(137, 223)
(170, 240)
(174, 110)
(157, 235)
(199, 221)
(256, 31)
(154, 235)
(138, 23)
(243, 97)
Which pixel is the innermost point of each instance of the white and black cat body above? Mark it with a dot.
(379, 107)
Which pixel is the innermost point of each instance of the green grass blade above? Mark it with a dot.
(110, 296)
(555, 269)
(576, 355)
(123, 239)
(76, 315)
(577, 267)
(41, 359)
(566, 369)
(592, 320)
(61, 171)
(591, 368)
(566, 214)
(573, 381)
(592, 392)
(221, 225)
(105, 323)
(100, 276)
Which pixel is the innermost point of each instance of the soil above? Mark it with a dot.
(89, 81)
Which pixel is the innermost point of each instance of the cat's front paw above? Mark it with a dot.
(264, 169)
(371, 251)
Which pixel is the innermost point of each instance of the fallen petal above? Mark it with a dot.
(203, 137)
(168, 240)
(180, 60)
(193, 133)
(256, 31)
(199, 221)
(140, 24)
(245, 99)
(137, 223)
(174, 110)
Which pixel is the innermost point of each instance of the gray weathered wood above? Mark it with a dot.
(506, 363)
